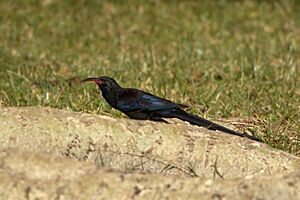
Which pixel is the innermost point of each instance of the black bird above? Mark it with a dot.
(137, 104)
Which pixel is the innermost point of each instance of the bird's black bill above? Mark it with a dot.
(96, 80)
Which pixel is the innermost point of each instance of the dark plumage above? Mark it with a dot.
(137, 104)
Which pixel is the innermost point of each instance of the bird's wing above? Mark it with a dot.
(136, 100)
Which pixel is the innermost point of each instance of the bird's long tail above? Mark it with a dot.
(196, 120)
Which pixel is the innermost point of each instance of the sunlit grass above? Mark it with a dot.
(222, 58)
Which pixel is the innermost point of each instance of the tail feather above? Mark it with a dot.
(196, 120)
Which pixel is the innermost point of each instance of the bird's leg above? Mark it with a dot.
(154, 117)
(158, 119)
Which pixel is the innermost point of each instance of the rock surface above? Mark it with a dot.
(28, 175)
(128, 159)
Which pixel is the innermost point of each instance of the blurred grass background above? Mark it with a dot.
(223, 58)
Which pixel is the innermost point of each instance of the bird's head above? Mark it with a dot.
(104, 82)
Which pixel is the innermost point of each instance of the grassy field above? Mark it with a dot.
(223, 58)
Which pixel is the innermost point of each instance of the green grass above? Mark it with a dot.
(223, 58)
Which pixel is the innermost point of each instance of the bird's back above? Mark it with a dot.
(133, 99)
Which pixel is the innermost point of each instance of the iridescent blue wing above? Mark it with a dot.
(136, 100)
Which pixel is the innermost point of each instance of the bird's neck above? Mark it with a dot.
(111, 95)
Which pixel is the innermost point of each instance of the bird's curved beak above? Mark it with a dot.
(96, 80)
